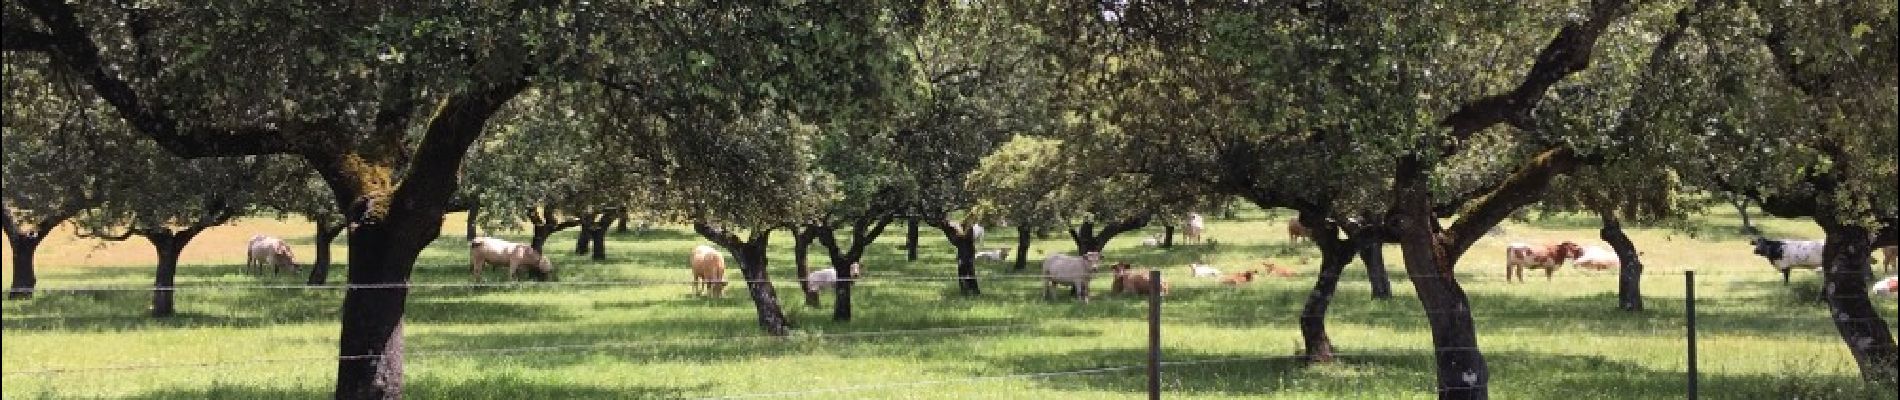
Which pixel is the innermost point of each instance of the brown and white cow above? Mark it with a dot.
(486, 250)
(1520, 256)
(268, 251)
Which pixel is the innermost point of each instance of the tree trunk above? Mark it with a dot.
(1741, 208)
(371, 345)
(621, 225)
(169, 245)
(910, 240)
(1334, 255)
(1084, 238)
(585, 237)
(1167, 236)
(473, 211)
(801, 259)
(600, 242)
(538, 240)
(320, 267)
(966, 264)
(1372, 254)
(1629, 280)
(1844, 264)
(752, 264)
(24, 279)
(1022, 247)
(1462, 373)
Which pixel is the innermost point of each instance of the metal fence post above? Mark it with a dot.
(1688, 281)
(1154, 335)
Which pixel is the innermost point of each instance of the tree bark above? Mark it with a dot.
(1372, 254)
(750, 253)
(965, 246)
(169, 245)
(473, 211)
(1334, 255)
(320, 267)
(599, 235)
(1088, 239)
(621, 218)
(1629, 280)
(24, 278)
(586, 236)
(1167, 236)
(801, 259)
(1461, 369)
(910, 240)
(1860, 325)
(1741, 208)
(1022, 247)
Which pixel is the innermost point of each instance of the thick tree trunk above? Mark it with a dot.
(169, 245)
(1629, 286)
(620, 226)
(1334, 255)
(841, 304)
(910, 240)
(371, 345)
(752, 264)
(1462, 372)
(1022, 247)
(1167, 236)
(801, 259)
(1372, 254)
(473, 211)
(320, 267)
(1860, 325)
(966, 264)
(539, 238)
(24, 278)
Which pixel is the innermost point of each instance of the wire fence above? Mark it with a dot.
(615, 345)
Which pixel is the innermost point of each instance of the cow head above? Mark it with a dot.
(1094, 258)
(1121, 269)
(1770, 249)
(543, 269)
(1568, 250)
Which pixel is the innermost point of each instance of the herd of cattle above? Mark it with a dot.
(708, 266)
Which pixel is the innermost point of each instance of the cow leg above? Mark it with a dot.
(1048, 290)
(1083, 289)
(1548, 272)
(1784, 276)
(475, 268)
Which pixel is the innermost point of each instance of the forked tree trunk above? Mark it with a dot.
(1022, 247)
(1861, 327)
(1461, 369)
(1334, 255)
(169, 245)
(1741, 208)
(1629, 280)
(320, 266)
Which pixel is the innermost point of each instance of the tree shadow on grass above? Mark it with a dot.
(491, 387)
(127, 311)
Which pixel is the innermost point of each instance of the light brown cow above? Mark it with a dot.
(486, 250)
(1295, 231)
(1520, 256)
(709, 271)
(1889, 255)
(1238, 278)
(1276, 270)
(271, 251)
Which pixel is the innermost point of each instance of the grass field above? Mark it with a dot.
(1544, 340)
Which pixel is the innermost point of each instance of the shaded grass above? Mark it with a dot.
(1561, 339)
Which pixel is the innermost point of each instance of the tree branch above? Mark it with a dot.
(1567, 53)
(70, 44)
(16, 39)
(1524, 187)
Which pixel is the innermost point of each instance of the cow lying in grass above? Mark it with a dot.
(1239, 278)
(266, 250)
(486, 250)
(709, 271)
(1128, 279)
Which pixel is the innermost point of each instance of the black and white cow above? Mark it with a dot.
(1785, 255)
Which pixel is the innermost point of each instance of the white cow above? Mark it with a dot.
(267, 250)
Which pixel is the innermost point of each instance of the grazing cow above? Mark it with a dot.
(827, 278)
(1069, 270)
(1887, 287)
(998, 254)
(486, 250)
(1295, 231)
(1238, 278)
(268, 250)
(1203, 271)
(1127, 278)
(709, 271)
(1196, 227)
(1520, 256)
(1598, 258)
(1785, 255)
(1889, 255)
